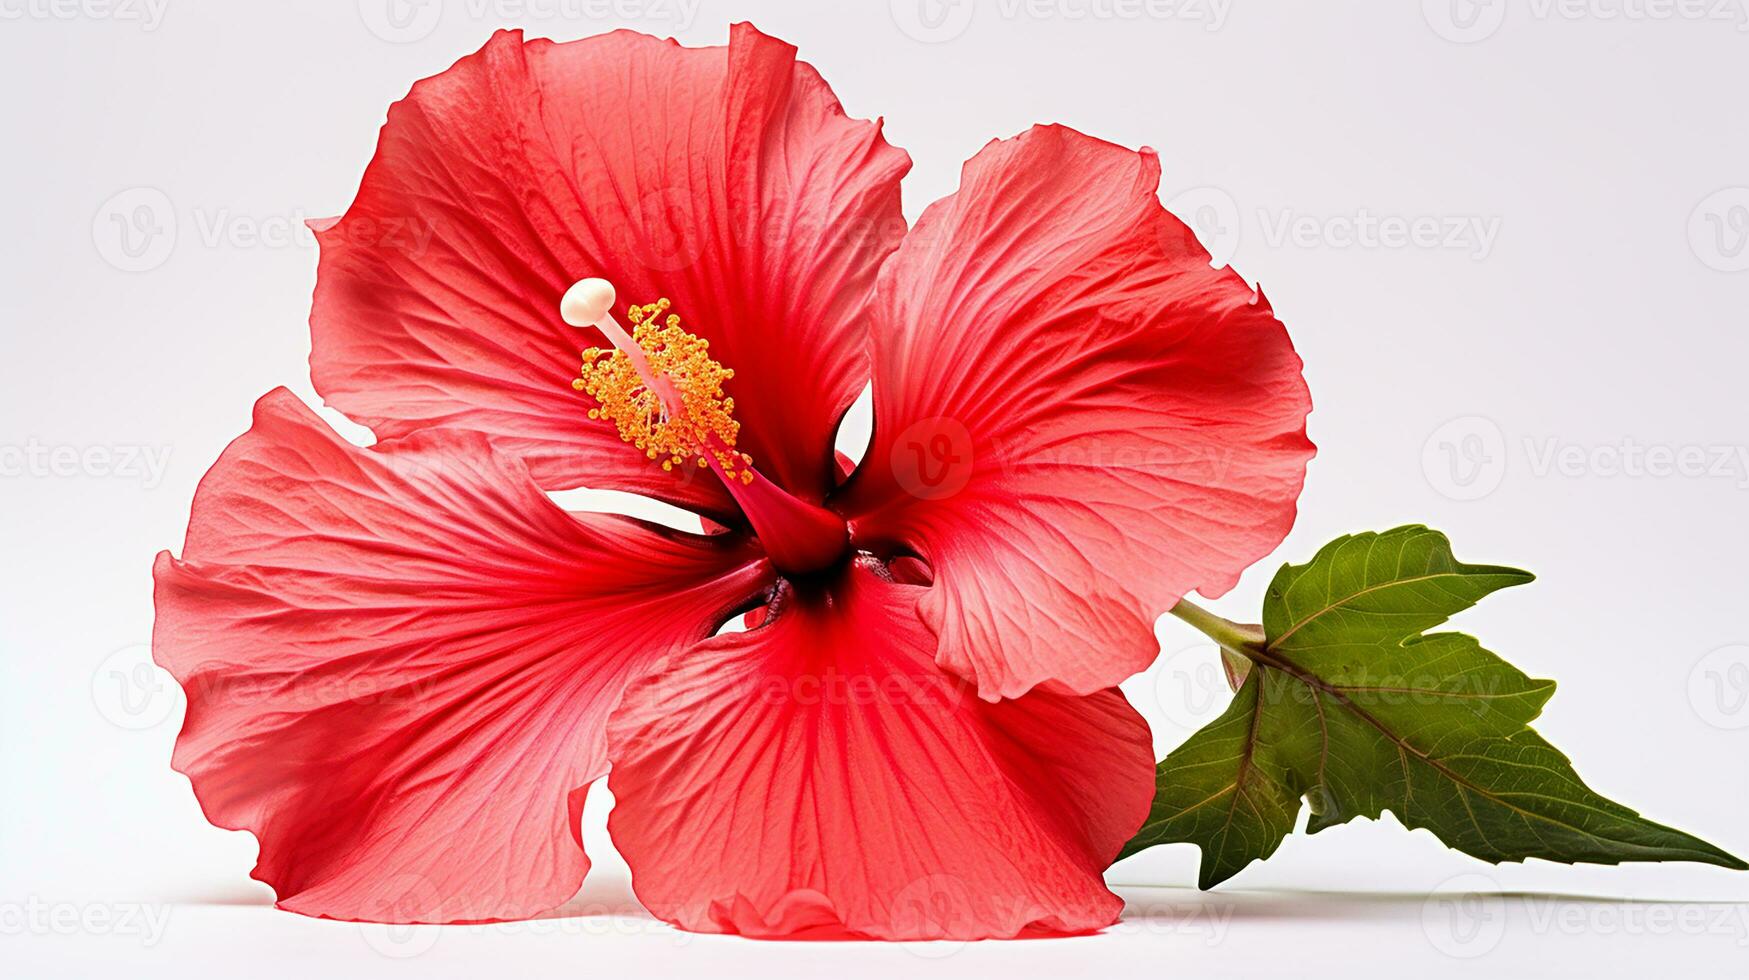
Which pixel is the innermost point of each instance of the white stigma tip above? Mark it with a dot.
(587, 302)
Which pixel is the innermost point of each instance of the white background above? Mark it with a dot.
(1593, 159)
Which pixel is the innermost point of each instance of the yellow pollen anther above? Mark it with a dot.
(703, 421)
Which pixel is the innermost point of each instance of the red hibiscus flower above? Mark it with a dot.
(406, 664)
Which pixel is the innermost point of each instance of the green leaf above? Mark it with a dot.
(1352, 706)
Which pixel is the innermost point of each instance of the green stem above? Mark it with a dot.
(1237, 638)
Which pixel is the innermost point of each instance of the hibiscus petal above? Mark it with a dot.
(727, 179)
(1077, 420)
(822, 774)
(400, 662)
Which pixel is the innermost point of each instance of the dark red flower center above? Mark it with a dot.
(662, 390)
